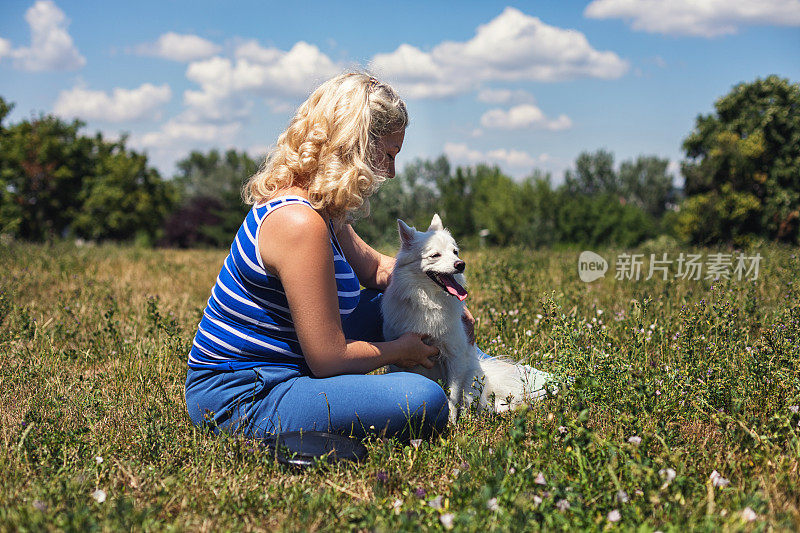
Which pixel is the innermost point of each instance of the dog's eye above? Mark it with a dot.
(455, 252)
(437, 255)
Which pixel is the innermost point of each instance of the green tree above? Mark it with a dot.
(456, 202)
(594, 174)
(43, 163)
(123, 197)
(215, 175)
(539, 210)
(496, 205)
(646, 183)
(718, 216)
(746, 157)
(211, 207)
(413, 195)
(5, 109)
(55, 182)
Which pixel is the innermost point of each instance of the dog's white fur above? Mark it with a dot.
(415, 302)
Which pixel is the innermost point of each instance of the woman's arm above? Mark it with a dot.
(295, 245)
(373, 269)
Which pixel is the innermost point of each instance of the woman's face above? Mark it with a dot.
(387, 148)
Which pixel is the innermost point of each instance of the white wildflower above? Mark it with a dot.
(99, 495)
(540, 479)
(794, 408)
(668, 474)
(512, 470)
(492, 504)
(614, 516)
(748, 515)
(563, 505)
(717, 479)
(635, 439)
(622, 496)
(416, 442)
(447, 520)
(436, 503)
(537, 499)
(98, 459)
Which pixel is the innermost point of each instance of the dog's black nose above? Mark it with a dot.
(460, 265)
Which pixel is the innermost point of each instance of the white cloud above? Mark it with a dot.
(5, 47)
(505, 96)
(178, 131)
(179, 47)
(513, 46)
(415, 73)
(119, 106)
(513, 158)
(523, 116)
(275, 74)
(460, 153)
(517, 162)
(51, 45)
(252, 51)
(258, 151)
(700, 18)
(182, 134)
(215, 113)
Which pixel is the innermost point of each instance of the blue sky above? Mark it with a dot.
(522, 85)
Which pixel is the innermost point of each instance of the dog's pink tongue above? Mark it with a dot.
(454, 288)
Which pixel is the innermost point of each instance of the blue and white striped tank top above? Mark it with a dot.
(247, 321)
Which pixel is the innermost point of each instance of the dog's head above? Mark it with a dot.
(432, 254)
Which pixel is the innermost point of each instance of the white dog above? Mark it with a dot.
(426, 296)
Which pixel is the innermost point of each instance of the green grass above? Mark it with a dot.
(93, 344)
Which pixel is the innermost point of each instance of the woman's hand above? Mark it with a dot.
(414, 351)
(469, 325)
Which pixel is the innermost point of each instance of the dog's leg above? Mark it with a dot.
(455, 399)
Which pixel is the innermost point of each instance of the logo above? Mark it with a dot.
(591, 266)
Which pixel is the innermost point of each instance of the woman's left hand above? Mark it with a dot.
(469, 325)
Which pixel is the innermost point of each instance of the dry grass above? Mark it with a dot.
(94, 342)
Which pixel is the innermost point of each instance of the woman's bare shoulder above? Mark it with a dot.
(292, 229)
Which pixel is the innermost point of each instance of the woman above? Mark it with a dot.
(288, 337)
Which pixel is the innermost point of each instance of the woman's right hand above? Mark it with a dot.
(414, 351)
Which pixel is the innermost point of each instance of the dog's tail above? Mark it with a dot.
(511, 384)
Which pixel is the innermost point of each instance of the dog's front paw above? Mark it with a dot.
(454, 411)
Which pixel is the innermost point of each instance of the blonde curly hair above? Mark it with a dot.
(329, 146)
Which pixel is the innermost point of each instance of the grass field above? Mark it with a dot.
(682, 411)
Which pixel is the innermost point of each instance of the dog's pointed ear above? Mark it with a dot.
(436, 223)
(406, 233)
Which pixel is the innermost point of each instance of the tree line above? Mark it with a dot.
(741, 181)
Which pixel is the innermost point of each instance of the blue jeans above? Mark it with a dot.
(270, 399)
